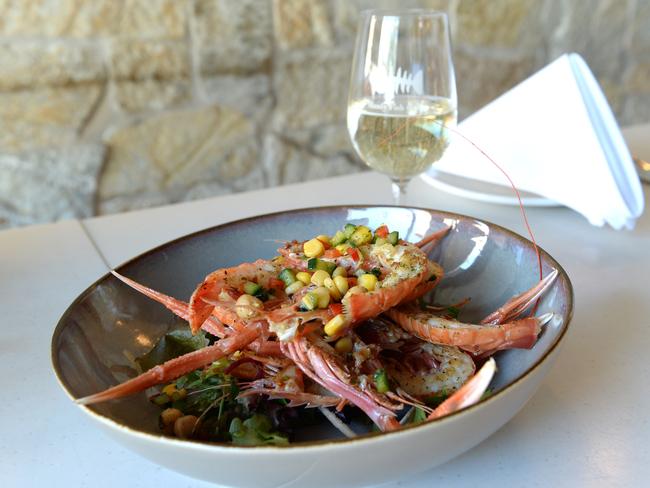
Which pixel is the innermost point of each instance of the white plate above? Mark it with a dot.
(482, 191)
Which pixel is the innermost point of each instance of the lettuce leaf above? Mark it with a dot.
(171, 345)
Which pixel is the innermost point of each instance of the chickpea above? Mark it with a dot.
(170, 415)
(184, 426)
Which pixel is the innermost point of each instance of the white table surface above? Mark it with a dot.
(586, 426)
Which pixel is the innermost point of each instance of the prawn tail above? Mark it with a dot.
(176, 367)
(468, 394)
(516, 306)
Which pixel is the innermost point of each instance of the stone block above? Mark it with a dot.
(175, 151)
(232, 37)
(502, 23)
(41, 18)
(287, 163)
(640, 47)
(137, 59)
(250, 95)
(311, 88)
(146, 95)
(637, 80)
(27, 64)
(635, 110)
(345, 13)
(326, 141)
(163, 19)
(44, 117)
(49, 184)
(482, 79)
(301, 23)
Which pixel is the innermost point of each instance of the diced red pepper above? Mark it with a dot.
(336, 308)
(325, 244)
(332, 253)
(382, 231)
(352, 281)
(353, 253)
(276, 283)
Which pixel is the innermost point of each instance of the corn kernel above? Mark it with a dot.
(336, 325)
(368, 281)
(304, 277)
(332, 288)
(319, 277)
(169, 389)
(179, 394)
(342, 284)
(343, 345)
(342, 248)
(313, 248)
(247, 305)
(339, 271)
(294, 287)
(323, 238)
(323, 296)
(354, 290)
(310, 301)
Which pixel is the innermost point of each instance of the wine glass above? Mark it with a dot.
(402, 98)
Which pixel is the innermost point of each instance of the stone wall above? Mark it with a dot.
(111, 105)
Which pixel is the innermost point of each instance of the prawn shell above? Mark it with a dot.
(477, 339)
(363, 306)
(205, 299)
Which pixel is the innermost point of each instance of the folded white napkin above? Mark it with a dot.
(555, 135)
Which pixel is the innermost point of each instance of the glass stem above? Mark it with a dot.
(399, 191)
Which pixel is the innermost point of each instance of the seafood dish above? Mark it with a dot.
(342, 326)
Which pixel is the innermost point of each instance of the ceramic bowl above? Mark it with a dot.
(110, 322)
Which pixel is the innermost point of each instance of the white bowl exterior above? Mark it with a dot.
(364, 462)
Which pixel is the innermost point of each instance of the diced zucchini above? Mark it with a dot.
(322, 295)
(251, 288)
(310, 301)
(287, 276)
(361, 236)
(294, 287)
(381, 381)
(326, 266)
(393, 237)
(315, 264)
(338, 238)
(349, 229)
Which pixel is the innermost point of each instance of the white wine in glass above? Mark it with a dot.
(402, 93)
